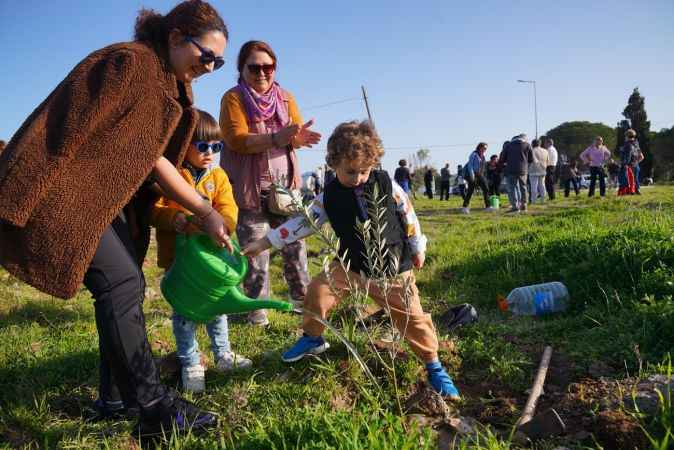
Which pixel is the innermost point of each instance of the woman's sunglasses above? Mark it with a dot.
(268, 69)
(207, 56)
(204, 146)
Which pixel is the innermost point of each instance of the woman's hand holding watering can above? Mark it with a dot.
(180, 222)
(213, 225)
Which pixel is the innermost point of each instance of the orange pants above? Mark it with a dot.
(414, 325)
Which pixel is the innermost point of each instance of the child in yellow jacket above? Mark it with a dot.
(170, 218)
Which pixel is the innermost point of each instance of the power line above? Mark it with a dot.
(333, 103)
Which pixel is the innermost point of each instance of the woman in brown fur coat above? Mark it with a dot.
(75, 177)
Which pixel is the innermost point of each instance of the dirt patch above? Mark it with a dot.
(591, 408)
(615, 429)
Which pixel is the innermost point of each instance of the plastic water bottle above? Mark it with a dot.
(536, 300)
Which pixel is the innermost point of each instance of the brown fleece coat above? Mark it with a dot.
(81, 156)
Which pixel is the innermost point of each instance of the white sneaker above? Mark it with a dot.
(490, 209)
(465, 211)
(194, 378)
(231, 361)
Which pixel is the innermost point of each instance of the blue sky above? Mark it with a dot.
(437, 74)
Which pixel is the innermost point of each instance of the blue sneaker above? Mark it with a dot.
(441, 381)
(306, 345)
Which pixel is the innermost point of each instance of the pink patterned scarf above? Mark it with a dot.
(262, 107)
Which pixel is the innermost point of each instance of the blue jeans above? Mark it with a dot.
(517, 190)
(186, 342)
(637, 173)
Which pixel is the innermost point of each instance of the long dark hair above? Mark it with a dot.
(191, 17)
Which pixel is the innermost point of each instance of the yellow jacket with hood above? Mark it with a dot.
(214, 186)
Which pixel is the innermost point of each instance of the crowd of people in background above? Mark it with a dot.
(531, 172)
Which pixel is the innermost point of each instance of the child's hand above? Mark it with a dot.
(180, 222)
(256, 247)
(418, 260)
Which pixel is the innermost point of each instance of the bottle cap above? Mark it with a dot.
(502, 303)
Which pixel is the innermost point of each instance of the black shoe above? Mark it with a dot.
(173, 412)
(637, 193)
(107, 410)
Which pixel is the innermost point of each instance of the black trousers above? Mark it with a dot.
(444, 190)
(550, 179)
(597, 172)
(567, 186)
(478, 180)
(114, 278)
(495, 185)
(429, 189)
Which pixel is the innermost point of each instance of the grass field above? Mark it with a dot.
(616, 255)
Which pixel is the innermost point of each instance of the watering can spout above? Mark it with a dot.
(237, 302)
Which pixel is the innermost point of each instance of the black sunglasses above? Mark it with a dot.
(207, 56)
(266, 68)
(204, 146)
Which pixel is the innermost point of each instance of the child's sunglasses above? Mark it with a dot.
(204, 146)
(268, 69)
(207, 56)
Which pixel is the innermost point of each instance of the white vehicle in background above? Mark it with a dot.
(309, 182)
(584, 181)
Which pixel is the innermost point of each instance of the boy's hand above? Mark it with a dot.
(180, 222)
(418, 260)
(256, 247)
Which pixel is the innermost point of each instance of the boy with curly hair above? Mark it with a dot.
(354, 150)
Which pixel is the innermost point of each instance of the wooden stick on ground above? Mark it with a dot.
(537, 388)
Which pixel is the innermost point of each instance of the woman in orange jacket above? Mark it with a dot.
(262, 128)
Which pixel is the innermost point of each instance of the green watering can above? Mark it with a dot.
(203, 281)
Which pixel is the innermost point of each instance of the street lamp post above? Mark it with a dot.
(535, 102)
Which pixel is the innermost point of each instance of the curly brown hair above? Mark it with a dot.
(354, 141)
